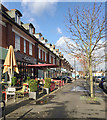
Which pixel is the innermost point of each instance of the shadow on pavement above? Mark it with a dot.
(13, 107)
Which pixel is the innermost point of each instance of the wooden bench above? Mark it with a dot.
(10, 92)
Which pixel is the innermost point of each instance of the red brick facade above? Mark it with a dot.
(10, 28)
(27, 47)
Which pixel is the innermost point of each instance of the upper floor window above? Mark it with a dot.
(30, 49)
(42, 55)
(39, 53)
(45, 56)
(53, 60)
(30, 30)
(17, 18)
(17, 42)
(24, 46)
(49, 58)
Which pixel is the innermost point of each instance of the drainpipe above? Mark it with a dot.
(0, 88)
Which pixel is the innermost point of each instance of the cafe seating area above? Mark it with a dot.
(16, 92)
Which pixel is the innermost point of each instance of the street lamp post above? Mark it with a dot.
(75, 67)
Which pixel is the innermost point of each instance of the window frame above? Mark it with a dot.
(24, 46)
(30, 29)
(30, 48)
(17, 18)
(17, 42)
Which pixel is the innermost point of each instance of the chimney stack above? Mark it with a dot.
(42, 38)
(33, 30)
(53, 46)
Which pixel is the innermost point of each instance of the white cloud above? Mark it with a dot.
(62, 44)
(61, 41)
(59, 30)
(39, 7)
(31, 20)
(33, 8)
(55, 0)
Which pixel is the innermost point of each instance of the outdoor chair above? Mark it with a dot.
(21, 93)
(10, 92)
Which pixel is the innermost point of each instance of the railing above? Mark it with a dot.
(3, 109)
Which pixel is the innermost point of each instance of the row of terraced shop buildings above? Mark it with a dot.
(30, 47)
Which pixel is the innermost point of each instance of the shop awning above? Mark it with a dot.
(43, 66)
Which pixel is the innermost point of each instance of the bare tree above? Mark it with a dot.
(87, 28)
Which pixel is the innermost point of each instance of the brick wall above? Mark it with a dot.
(9, 34)
(43, 56)
(47, 57)
(27, 48)
(36, 51)
(13, 35)
(33, 51)
(3, 38)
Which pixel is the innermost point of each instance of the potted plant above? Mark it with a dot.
(14, 81)
(47, 84)
(33, 85)
(28, 78)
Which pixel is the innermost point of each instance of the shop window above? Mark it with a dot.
(17, 42)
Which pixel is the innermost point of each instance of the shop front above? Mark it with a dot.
(22, 61)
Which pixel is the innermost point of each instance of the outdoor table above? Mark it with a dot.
(42, 80)
(26, 84)
(62, 82)
(59, 81)
(52, 87)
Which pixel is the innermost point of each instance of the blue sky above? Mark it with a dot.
(47, 17)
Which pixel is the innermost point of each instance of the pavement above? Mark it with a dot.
(70, 102)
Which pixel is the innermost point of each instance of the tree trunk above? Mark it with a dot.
(91, 78)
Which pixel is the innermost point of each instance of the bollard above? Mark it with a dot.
(3, 110)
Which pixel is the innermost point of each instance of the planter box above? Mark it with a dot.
(33, 95)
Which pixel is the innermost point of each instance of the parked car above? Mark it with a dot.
(103, 83)
(60, 78)
(94, 77)
(98, 79)
(66, 79)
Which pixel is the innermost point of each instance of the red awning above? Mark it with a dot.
(43, 66)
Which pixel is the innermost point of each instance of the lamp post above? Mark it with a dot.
(75, 67)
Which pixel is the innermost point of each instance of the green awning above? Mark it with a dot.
(3, 53)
